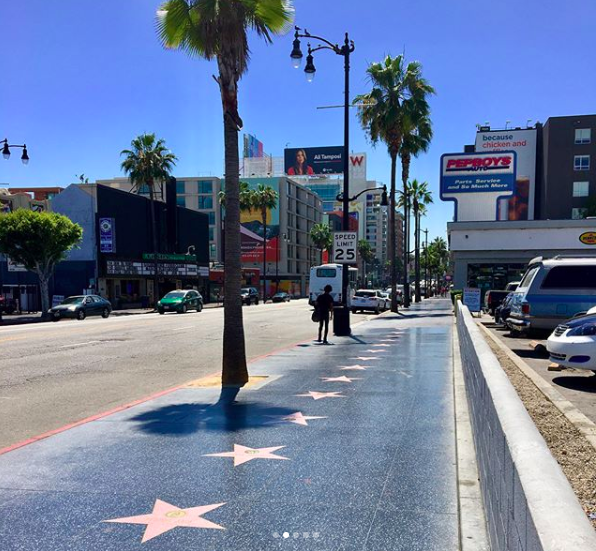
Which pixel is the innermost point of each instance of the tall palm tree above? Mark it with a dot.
(398, 91)
(416, 139)
(216, 29)
(321, 236)
(366, 255)
(264, 199)
(420, 197)
(148, 163)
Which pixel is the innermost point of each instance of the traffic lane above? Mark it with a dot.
(576, 385)
(63, 383)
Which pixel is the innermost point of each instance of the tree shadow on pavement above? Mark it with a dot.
(226, 415)
(577, 382)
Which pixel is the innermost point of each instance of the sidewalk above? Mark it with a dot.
(342, 447)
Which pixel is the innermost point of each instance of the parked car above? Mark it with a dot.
(503, 311)
(399, 293)
(7, 305)
(180, 301)
(387, 298)
(281, 297)
(249, 295)
(368, 299)
(553, 291)
(493, 298)
(573, 344)
(80, 307)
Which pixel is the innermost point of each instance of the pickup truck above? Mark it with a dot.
(494, 298)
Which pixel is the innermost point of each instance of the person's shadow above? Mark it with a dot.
(228, 414)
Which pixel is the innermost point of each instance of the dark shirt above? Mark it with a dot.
(324, 304)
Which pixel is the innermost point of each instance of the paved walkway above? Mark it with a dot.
(344, 447)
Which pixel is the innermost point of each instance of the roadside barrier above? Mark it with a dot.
(529, 503)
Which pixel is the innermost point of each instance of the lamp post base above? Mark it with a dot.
(341, 322)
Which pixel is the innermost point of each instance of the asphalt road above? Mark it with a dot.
(53, 374)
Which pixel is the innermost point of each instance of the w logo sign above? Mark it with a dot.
(357, 161)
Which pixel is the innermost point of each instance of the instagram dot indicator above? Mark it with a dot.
(286, 535)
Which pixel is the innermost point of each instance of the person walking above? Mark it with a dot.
(324, 308)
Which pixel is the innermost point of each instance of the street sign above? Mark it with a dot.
(345, 245)
(15, 266)
(472, 299)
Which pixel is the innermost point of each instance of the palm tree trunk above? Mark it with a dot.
(417, 252)
(264, 255)
(234, 371)
(405, 173)
(154, 240)
(392, 235)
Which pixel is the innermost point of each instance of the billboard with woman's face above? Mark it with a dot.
(312, 161)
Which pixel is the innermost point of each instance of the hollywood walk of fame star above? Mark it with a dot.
(320, 395)
(356, 367)
(366, 358)
(405, 374)
(391, 339)
(243, 454)
(381, 345)
(377, 351)
(298, 418)
(342, 379)
(165, 517)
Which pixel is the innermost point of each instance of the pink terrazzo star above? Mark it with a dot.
(391, 339)
(320, 395)
(299, 418)
(342, 379)
(356, 367)
(243, 454)
(377, 351)
(381, 345)
(366, 358)
(165, 517)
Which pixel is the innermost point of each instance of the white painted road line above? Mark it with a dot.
(80, 344)
(182, 328)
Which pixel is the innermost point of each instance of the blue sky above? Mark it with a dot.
(81, 78)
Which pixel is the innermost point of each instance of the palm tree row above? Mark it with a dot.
(218, 31)
(396, 112)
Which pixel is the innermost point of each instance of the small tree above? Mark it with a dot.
(320, 235)
(39, 240)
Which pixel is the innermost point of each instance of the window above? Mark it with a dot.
(205, 186)
(211, 218)
(578, 214)
(326, 272)
(570, 277)
(581, 162)
(180, 187)
(583, 135)
(581, 189)
(205, 202)
(211, 232)
(181, 201)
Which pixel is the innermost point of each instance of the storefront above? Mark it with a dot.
(489, 255)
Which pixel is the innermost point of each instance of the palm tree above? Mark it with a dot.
(264, 198)
(398, 92)
(148, 162)
(420, 197)
(366, 255)
(438, 258)
(321, 236)
(218, 30)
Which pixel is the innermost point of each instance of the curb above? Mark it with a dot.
(584, 425)
(473, 533)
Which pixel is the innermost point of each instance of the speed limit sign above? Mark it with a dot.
(344, 247)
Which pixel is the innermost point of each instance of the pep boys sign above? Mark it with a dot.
(476, 181)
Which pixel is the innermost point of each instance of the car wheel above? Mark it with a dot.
(354, 311)
(55, 318)
(183, 309)
(161, 312)
(377, 310)
(81, 315)
(199, 307)
(105, 313)
(257, 302)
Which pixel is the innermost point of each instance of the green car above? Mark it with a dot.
(180, 301)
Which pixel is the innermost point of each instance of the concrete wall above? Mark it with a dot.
(529, 503)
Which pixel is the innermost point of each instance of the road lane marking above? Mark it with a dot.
(79, 344)
(182, 328)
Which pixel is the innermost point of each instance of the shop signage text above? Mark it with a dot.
(131, 268)
(588, 238)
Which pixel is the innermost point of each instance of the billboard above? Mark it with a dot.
(252, 229)
(476, 182)
(311, 161)
(107, 235)
(520, 206)
(253, 147)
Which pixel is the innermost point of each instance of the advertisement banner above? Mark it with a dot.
(253, 147)
(521, 205)
(476, 182)
(311, 161)
(107, 235)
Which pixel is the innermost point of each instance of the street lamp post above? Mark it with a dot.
(342, 315)
(425, 263)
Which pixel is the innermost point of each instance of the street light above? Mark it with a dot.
(6, 151)
(341, 315)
